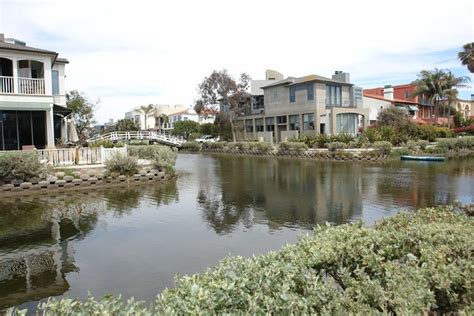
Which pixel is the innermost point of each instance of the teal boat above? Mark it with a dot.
(423, 158)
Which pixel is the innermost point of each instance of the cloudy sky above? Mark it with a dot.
(131, 53)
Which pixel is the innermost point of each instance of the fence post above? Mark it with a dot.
(102, 154)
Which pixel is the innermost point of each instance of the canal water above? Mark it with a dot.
(133, 241)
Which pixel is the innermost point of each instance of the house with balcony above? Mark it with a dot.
(33, 109)
(305, 105)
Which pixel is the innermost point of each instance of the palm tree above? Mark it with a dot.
(146, 110)
(467, 56)
(437, 86)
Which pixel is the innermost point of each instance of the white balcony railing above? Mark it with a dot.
(6, 85)
(31, 86)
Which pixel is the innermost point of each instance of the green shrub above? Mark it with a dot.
(334, 146)
(413, 263)
(397, 152)
(147, 151)
(242, 145)
(292, 147)
(164, 157)
(422, 144)
(354, 144)
(191, 146)
(383, 147)
(106, 143)
(122, 164)
(431, 132)
(20, 165)
(466, 142)
(342, 138)
(412, 145)
(263, 147)
(214, 145)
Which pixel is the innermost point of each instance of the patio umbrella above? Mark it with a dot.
(72, 132)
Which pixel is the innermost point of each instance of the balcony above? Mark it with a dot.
(29, 86)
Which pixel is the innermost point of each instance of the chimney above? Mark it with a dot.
(2, 37)
(341, 76)
(388, 92)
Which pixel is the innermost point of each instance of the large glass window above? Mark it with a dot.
(294, 122)
(269, 124)
(281, 119)
(249, 126)
(20, 128)
(333, 95)
(309, 87)
(259, 125)
(292, 94)
(347, 123)
(275, 95)
(308, 122)
(55, 82)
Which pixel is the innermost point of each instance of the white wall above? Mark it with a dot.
(375, 106)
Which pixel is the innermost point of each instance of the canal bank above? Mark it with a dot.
(220, 205)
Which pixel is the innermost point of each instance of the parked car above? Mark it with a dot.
(206, 139)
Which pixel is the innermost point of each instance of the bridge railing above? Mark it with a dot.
(159, 136)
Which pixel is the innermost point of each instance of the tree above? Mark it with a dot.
(82, 113)
(393, 116)
(147, 110)
(126, 125)
(185, 128)
(467, 56)
(438, 86)
(209, 129)
(221, 88)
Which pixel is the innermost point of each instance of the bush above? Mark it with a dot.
(412, 145)
(397, 152)
(122, 164)
(147, 151)
(332, 147)
(191, 146)
(467, 130)
(466, 142)
(20, 165)
(164, 157)
(354, 144)
(413, 263)
(431, 132)
(423, 144)
(214, 145)
(292, 147)
(343, 138)
(383, 147)
(263, 147)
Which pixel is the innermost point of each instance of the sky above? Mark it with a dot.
(131, 53)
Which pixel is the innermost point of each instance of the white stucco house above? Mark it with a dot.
(33, 109)
(157, 119)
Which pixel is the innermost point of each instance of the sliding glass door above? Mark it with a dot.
(22, 128)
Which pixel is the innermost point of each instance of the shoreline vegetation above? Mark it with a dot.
(413, 263)
(339, 150)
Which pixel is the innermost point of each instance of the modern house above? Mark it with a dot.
(306, 105)
(189, 115)
(33, 109)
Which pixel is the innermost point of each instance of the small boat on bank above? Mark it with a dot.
(423, 158)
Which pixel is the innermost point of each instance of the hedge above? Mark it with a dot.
(413, 263)
(20, 165)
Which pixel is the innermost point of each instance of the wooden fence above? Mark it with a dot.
(78, 156)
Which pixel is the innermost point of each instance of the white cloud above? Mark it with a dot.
(128, 53)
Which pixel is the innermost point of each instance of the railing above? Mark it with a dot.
(6, 84)
(31, 86)
(158, 136)
(78, 156)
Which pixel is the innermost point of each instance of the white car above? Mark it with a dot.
(206, 139)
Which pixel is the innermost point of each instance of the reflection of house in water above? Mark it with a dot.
(39, 262)
(282, 192)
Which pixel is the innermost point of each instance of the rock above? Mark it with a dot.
(136, 177)
(68, 178)
(122, 178)
(84, 177)
(69, 185)
(99, 176)
(35, 180)
(52, 186)
(76, 181)
(154, 172)
(91, 173)
(92, 180)
(76, 174)
(7, 187)
(52, 179)
(61, 183)
(85, 183)
(161, 175)
(43, 184)
(142, 173)
(16, 182)
(35, 187)
(60, 174)
(26, 185)
(16, 189)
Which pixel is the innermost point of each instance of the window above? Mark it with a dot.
(347, 123)
(249, 126)
(333, 95)
(55, 75)
(257, 102)
(275, 95)
(294, 122)
(309, 87)
(269, 124)
(308, 122)
(407, 95)
(259, 125)
(281, 119)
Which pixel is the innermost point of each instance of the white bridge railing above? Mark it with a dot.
(159, 136)
(78, 156)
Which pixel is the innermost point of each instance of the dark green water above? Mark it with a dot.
(134, 240)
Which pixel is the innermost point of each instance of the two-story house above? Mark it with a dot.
(306, 105)
(32, 96)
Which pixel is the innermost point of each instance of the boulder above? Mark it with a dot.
(99, 175)
(136, 177)
(7, 187)
(76, 181)
(142, 172)
(92, 180)
(26, 185)
(76, 174)
(52, 179)
(16, 182)
(35, 180)
(122, 178)
(60, 174)
(68, 178)
(84, 177)
(61, 183)
(43, 184)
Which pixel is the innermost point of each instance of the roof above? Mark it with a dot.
(62, 60)
(187, 111)
(24, 48)
(378, 97)
(310, 78)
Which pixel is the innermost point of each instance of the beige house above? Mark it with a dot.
(306, 105)
(465, 107)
